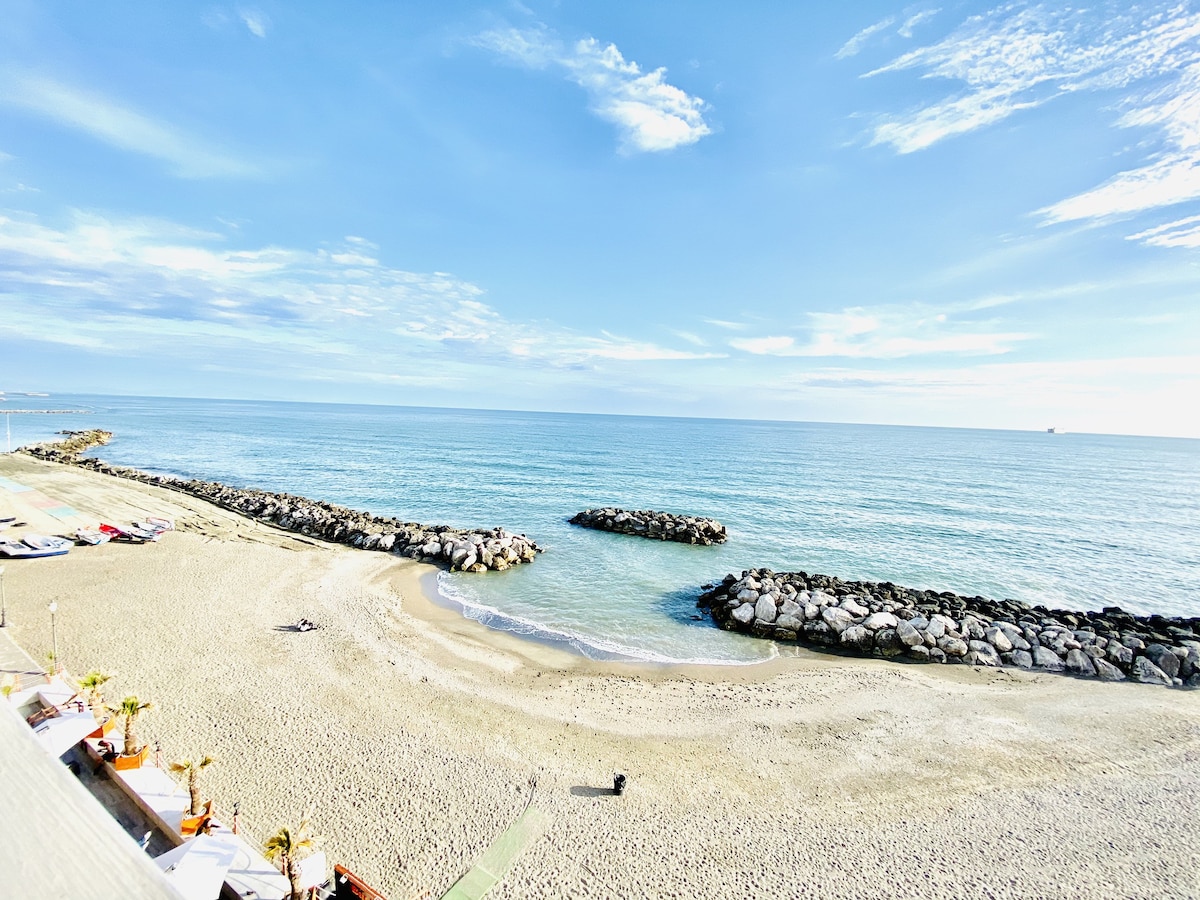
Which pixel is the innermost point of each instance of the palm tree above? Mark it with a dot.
(92, 682)
(192, 770)
(289, 847)
(130, 708)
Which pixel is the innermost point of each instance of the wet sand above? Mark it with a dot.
(414, 733)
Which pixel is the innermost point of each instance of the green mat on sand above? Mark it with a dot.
(499, 857)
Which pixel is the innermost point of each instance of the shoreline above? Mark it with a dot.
(414, 732)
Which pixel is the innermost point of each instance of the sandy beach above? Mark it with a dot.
(414, 734)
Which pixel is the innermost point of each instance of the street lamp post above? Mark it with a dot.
(3, 601)
(53, 639)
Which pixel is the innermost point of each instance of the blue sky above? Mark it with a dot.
(933, 214)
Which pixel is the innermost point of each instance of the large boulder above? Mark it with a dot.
(744, 613)
(837, 618)
(857, 638)
(1045, 658)
(1162, 657)
(1106, 671)
(1145, 671)
(879, 620)
(909, 634)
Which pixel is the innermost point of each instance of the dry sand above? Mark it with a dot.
(414, 733)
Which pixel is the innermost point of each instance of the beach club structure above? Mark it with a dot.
(62, 839)
(72, 805)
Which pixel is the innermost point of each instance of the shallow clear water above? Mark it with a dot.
(1067, 520)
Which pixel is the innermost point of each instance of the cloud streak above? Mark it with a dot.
(650, 114)
(891, 333)
(118, 126)
(1022, 56)
(124, 284)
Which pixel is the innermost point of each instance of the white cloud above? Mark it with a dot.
(1180, 233)
(650, 114)
(255, 20)
(116, 125)
(780, 344)
(855, 44)
(892, 333)
(909, 25)
(1021, 56)
(128, 284)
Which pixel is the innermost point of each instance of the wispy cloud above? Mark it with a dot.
(905, 29)
(255, 20)
(126, 284)
(1180, 233)
(1168, 177)
(119, 126)
(855, 44)
(1019, 56)
(891, 333)
(909, 25)
(650, 115)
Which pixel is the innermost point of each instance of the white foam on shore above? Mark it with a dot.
(589, 647)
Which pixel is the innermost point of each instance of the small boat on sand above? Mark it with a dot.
(34, 546)
(92, 536)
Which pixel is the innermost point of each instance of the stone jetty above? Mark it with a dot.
(659, 526)
(464, 550)
(883, 619)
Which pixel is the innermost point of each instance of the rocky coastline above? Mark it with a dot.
(648, 523)
(460, 550)
(889, 621)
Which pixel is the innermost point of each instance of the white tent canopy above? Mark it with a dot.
(197, 869)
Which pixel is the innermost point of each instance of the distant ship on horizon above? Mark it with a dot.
(1055, 431)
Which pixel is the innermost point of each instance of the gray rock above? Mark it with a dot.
(789, 623)
(819, 633)
(1163, 658)
(1145, 671)
(888, 643)
(856, 637)
(747, 595)
(909, 635)
(1045, 658)
(790, 607)
(1106, 671)
(744, 613)
(836, 618)
(998, 638)
(1190, 664)
(856, 609)
(811, 611)
(920, 653)
(1119, 654)
(919, 622)
(952, 647)
(765, 609)
(937, 655)
(1022, 659)
(879, 620)
(940, 625)
(1079, 663)
(985, 653)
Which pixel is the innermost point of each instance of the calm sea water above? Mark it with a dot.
(1077, 521)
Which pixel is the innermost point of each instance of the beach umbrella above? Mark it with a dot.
(197, 868)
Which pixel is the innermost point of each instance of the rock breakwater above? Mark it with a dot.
(465, 550)
(648, 523)
(883, 619)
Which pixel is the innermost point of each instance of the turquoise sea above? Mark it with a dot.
(1067, 520)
